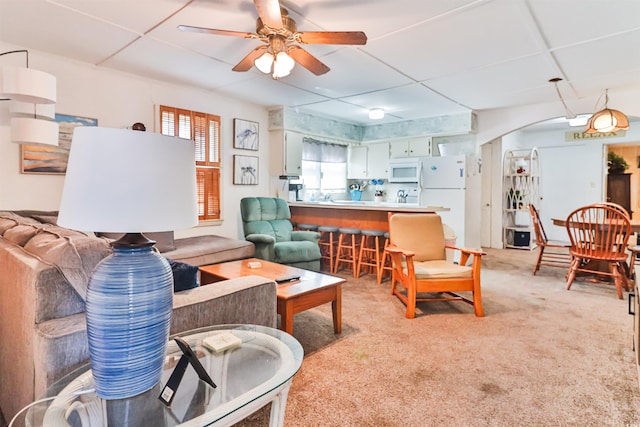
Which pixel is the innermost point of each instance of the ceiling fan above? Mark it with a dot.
(279, 32)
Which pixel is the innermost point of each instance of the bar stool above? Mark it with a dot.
(369, 255)
(347, 251)
(328, 243)
(308, 227)
(385, 261)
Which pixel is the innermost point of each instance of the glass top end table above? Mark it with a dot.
(248, 377)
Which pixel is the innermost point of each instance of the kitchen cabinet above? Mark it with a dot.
(412, 147)
(357, 166)
(292, 153)
(378, 161)
(368, 161)
(521, 188)
(285, 152)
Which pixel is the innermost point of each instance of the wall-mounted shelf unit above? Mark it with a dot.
(521, 187)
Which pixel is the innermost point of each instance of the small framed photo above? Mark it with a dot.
(245, 134)
(245, 170)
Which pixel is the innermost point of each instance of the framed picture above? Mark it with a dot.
(245, 134)
(47, 159)
(245, 170)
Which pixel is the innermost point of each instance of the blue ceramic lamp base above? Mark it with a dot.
(129, 304)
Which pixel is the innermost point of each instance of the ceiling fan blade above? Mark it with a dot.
(331, 37)
(247, 61)
(307, 60)
(191, 29)
(269, 13)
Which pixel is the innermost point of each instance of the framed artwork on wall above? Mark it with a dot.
(245, 170)
(47, 159)
(245, 134)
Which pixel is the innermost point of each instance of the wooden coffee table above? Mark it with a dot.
(311, 290)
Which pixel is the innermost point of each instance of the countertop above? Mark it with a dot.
(370, 206)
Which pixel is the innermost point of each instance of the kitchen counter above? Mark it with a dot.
(357, 214)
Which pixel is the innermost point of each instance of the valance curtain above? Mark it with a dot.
(314, 150)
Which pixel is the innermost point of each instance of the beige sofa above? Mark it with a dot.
(43, 269)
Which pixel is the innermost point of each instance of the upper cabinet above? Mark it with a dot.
(368, 161)
(285, 152)
(413, 147)
(378, 161)
(357, 167)
(292, 153)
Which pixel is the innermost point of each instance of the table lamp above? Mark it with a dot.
(131, 182)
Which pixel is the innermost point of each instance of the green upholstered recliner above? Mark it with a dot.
(266, 222)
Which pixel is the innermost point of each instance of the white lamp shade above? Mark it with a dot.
(27, 85)
(121, 180)
(27, 109)
(28, 130)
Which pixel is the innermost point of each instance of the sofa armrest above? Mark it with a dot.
(246, 300)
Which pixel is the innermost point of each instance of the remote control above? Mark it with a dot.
(285, 279)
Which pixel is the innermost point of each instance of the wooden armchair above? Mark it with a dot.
(557, 254)
(599, 235)
(419, 264)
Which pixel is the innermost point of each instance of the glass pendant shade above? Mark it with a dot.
(127, 181)
(607, 120)
(264, 62)
(283, 65)
(27, 85)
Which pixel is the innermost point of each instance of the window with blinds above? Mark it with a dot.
(204, 130)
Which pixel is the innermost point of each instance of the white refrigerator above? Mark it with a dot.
(454, 182)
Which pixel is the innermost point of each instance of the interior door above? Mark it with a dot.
(487, 223)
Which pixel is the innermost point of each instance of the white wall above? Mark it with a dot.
(572, 173)
(118, 100)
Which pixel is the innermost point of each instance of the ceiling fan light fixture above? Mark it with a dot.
(607, 120)
(376, 114)
(282, 65)
(264, 62)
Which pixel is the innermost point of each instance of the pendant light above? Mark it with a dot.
(26, 87)
(607, 120)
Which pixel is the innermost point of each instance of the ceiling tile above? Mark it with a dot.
(157, 60)
(481, 88)
(40, 25)
(472, 38)
(574, 21)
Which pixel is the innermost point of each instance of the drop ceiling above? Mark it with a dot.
(423, 58)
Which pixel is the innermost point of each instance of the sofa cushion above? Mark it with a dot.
(6, 224)
(210, 249)
(74, 253)
(20, 234)
(164, 239)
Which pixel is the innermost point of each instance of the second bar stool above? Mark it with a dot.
(328, 243)
(308, 227)
(347, 251)
(385, 261)
(369, 255)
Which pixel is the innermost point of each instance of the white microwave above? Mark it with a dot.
(405, 169)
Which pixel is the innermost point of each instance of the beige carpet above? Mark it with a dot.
(542, 356)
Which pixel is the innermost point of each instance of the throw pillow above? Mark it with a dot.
(185, 276)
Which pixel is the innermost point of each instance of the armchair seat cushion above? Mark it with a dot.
(440, 269)
(296, 251)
